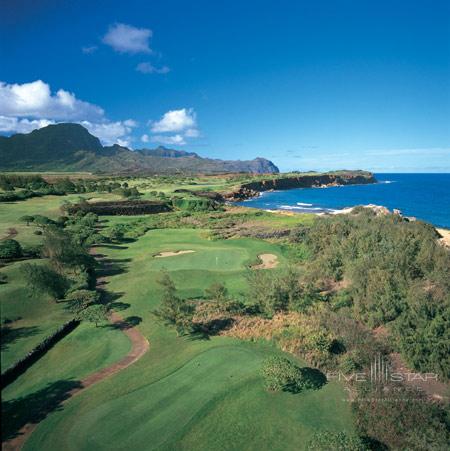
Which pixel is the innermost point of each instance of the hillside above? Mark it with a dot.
(70, 147)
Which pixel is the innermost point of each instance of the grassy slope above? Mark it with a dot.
(186, 393)
(85, 350)
(33, 318)
(49, 206)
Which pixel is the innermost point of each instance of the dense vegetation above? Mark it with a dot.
(397, 274)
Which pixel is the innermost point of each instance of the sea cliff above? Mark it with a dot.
(252, 189)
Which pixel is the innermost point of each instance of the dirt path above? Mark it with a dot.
(139, 346)
(268, 261)
(10, 233)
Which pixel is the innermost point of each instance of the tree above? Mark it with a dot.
(78, 300)
(65, 185)
(64, 252)
(336, 441)
(42, 221)
(273, 292)
(41, 279)
(26, 219)
(217, 292)
(95, 313)
(174, 310)
(116, 232)
(10, 249)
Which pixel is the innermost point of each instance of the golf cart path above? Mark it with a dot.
(139, 346)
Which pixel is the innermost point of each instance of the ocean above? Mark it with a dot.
(424, 196)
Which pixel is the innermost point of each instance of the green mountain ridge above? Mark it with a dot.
(70, 147)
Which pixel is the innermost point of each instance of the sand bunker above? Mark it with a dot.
(268, 261)
(445, 236)
(172, 253)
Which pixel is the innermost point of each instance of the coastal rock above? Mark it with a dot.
(253, 189)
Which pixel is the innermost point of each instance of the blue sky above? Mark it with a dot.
(309, 85)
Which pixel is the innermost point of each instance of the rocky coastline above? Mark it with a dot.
(253, 189)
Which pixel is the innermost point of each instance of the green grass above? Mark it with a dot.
(186, 393)
(33, 317)
(83, 351)
(11, 212)
(215, 400)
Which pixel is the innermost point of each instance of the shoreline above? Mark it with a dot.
(444, 232)
(254, 189)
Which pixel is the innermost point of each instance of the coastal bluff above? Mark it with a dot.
(307, 180)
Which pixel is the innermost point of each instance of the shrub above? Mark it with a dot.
(10, 249)
(217, 292)
(32, 251)
(336, 441)
(78, 300)
(42, 220)
(281, 374)
(400, 417)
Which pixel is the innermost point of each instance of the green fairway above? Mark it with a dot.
(11, 212)
(186, 393)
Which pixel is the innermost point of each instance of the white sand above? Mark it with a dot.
(445, 234)
(172, 253)
(268, 261)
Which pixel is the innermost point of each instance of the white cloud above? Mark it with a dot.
(29, 106)
(16, 125)
(175, 127)
(35, 100)
(148, 68)
(89, 49)
(128, 39)
(130, 123)
(123, 142)
(111, 132)
(169, 140)
(145, 138)
(192, 133)
(175, 121)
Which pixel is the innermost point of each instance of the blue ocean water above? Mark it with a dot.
(425, 196)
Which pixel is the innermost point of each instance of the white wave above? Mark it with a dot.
(303, 204)
(294, 207)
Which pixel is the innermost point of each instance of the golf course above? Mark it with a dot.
(211, 387)
(206, 326)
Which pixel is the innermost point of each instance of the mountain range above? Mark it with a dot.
(70, 147)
